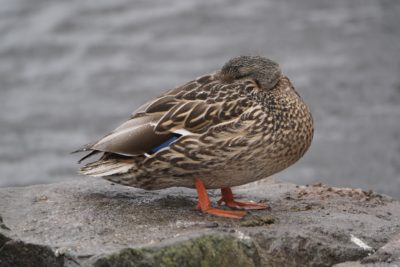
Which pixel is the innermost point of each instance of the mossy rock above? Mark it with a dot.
(204, 251)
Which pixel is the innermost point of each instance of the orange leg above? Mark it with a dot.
(227, 198)
(205, 204)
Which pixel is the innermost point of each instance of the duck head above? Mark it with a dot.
(264, 71)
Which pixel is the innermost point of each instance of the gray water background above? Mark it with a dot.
(71, 71)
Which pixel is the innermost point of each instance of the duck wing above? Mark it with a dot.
(200, 104)
(189, 109)
(134, 137)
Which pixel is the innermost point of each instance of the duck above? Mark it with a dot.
(236, 125)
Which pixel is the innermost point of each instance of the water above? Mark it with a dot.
(70, 71)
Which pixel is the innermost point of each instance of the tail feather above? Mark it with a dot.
(94, 152)
(84, 148)
(107, 167)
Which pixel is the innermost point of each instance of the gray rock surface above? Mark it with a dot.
(389, 253)
(386, 256)
(15, 252)
(91, 222)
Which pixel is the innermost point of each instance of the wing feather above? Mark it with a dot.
(134, 137)
(192, 108)
(161, 104)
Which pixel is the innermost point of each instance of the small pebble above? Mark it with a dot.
(211, 225)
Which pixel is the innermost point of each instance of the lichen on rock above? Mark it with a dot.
(208, 250)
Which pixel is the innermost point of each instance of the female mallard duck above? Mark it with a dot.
(240, 124)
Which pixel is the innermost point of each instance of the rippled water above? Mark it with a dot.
(70, 71)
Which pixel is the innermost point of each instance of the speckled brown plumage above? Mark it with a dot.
(238, 125)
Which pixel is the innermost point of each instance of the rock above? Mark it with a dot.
(14, 252)
(91, 222)
(208, 250)
(388, 255)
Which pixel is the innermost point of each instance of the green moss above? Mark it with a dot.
(205, 251)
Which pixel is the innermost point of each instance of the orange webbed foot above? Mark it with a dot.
(227, 198)
(205, 205)
(234, 214)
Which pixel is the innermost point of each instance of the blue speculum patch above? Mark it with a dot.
(166, 143)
